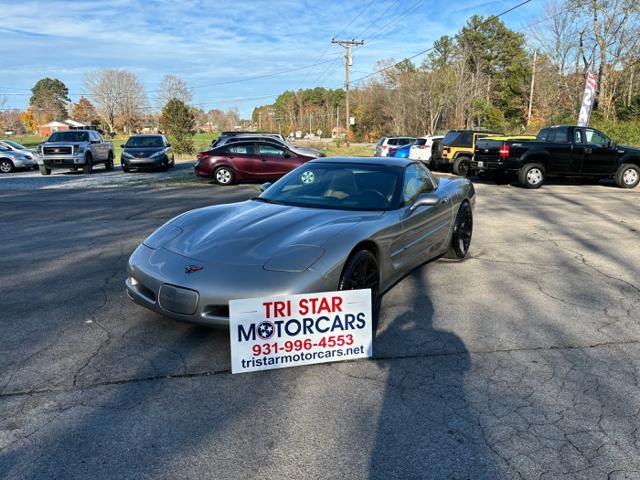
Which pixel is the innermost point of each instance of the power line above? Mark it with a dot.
(433, 47)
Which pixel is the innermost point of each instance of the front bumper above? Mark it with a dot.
(24, 162)
(157, 280)
(143, 161)
(62, 161)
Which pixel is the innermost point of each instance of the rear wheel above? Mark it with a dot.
(627, 176)
(462, 232)
(461, 166)
(361, 272)
(531, 175)
(88, 165)
(44, 170)
(6, 166)
(223, 175)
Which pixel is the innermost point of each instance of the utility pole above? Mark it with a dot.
(338, 122)
(533, 79)
(347, 44)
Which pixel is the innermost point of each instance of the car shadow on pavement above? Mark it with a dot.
(426, 426)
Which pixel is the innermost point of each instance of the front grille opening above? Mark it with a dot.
(145, 292)
(217, 311)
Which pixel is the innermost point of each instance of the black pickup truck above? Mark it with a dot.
(562, 151)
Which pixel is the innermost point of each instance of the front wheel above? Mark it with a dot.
(531, 175)
(462, 232)
(461, 166)
(109, 163)
(361, 272)
(627, 176)
(6, 166)
(223, 175)
(88, 165)
(44, 170)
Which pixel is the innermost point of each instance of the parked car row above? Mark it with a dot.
(561, 151)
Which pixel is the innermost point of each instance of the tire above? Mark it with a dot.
(360, 272)
(532, 175)
(6, 166)
(461, 166)
(165, 165)
(109, 163)
(125, 169)
(223, 176)
(462, 233)
(627, 176)
(88, 165)
(44, 170)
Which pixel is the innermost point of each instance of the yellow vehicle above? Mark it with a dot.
(458, 147)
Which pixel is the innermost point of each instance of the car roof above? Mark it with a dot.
(147, 135)
(388, 161)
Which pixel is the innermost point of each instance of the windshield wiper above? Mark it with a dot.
(262, 199)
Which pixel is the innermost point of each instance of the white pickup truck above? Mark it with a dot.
(74, 149)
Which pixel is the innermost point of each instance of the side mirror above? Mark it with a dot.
(426, 199)
(168, 145)
(264, 186)
(122, 146)
(287, 155)
(610, 144)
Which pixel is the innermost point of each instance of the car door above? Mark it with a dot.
(598, 155)
(245, 159)
(276, 161)
(563, 160)
(425, 228)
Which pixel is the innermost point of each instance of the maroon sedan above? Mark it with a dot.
(248, 160)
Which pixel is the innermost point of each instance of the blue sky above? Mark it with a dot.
(213, 42)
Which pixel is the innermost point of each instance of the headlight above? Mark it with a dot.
(126, 155)
(77, 149)
(296, 258)
(163, 235)
(157, 154)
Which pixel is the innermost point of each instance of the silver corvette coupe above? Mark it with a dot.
(331, 224)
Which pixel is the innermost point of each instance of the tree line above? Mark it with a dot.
(489, 76)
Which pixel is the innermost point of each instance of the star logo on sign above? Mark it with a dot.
(265, 330)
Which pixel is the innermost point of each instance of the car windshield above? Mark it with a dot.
(144, 142)
(69, 136)
(15, 145)
(338, 186)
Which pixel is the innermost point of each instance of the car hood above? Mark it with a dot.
(630, 149)
(251, 232)
(54, 144)
(142, 151)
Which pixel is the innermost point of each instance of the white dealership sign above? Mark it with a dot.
(292, 330)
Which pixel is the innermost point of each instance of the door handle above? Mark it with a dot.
(588, 150)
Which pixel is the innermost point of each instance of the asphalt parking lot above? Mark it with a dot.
(523, 361)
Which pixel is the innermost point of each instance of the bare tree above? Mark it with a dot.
(172, 87)
(119, 97)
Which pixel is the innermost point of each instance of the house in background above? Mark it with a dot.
(69, 124)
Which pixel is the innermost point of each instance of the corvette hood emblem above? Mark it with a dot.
(192, 268)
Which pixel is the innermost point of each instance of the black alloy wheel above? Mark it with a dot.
(359, 273)
(462, 232)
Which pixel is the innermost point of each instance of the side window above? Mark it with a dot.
(270, 151)
(559, 135)
(97, 136)
(577, 133)
(595, 138)
(242, 149)
(543, 135)
(416, 182)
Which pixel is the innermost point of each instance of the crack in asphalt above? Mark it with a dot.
(209, 373)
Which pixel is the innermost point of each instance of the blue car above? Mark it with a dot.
(400, 152)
